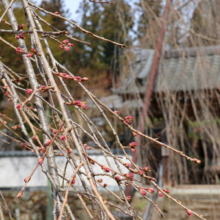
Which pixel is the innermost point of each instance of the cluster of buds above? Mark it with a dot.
(145, 169)
(128, 119)
(20, 27)
(132, 146)
(87, 147)
(21, 35)
(80, 104)
(129, 176)
(18, 50)
(105, 169)
(69, 150)
(63, 138)
(66, 45)
(74, 78)
(33, 51)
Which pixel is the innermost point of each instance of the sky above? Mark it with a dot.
(72, 5)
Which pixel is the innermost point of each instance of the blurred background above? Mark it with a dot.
(184, 96)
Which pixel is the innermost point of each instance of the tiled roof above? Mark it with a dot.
(179, 70)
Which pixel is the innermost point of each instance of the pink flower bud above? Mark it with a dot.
(6, 94)
(118, 178)
(61, 46)
(91, 161)
(69, 150)
(65, 41)
(22, 26)
(83, 105)
(70, 45)
(18, 50)
(27, 179)
(166, 190)
(128, 198)
(100, 180)
(142, 192)
(116, 112)
(63, 138)
(74, 181)
(77, 78)
(147, 169)
(17, 37)
(66, 48)
(189, 212)
(127, 165)
(41, 160)
(18, 106)
(57, 13)
(85, 79)
(105, 169)
(29, 54)
(43, 88)
(151, 190)
(197, 160)
(127, 117)
(48, 143)
(134, 134)
(78, 103)
(33, 50)
(23, 145)
(54, 131)
(34, 138)
(88, 148)
(141, 172)
(132, 144)
(133, 150)
(22, 36)
(14, 127)
(105, 184)
(160, 194)
(29, 91)
(19, 195)
(129, 175)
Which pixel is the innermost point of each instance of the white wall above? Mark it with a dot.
(13, 170)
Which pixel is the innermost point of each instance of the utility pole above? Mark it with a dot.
(151, 80)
